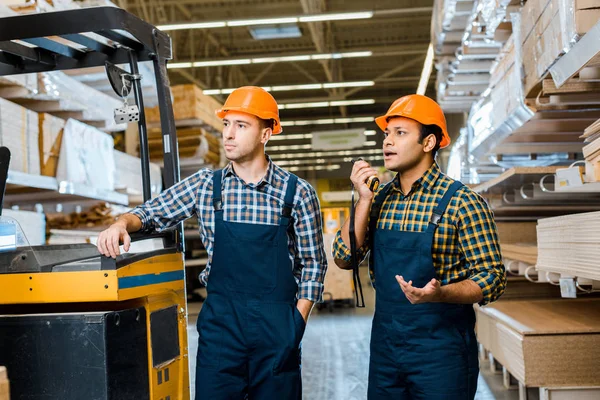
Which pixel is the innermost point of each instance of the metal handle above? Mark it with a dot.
(527, 274)
(542, 186)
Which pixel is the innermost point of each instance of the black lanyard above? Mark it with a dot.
(354, 256)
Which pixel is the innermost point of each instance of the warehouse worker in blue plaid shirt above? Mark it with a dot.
(262, 229)
(433, 253)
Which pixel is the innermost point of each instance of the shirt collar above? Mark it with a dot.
(267, 179)
(426, 181)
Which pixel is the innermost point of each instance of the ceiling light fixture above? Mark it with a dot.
(286, 88)
(293, 106)
(262, 60)
(269, 21)
(327, 121)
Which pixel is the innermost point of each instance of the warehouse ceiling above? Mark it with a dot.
(387, 49)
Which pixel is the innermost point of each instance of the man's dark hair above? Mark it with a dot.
(435, 130)
(266, 123)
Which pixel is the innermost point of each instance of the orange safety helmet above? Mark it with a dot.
(255, 101)
(420, 108)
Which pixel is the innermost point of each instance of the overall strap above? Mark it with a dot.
(217, 195)
(288, 201)
(440, 209)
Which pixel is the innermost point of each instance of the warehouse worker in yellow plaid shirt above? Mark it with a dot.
(433, 251)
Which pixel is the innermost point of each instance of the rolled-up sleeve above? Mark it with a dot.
(172, 206)
(478, 242)
(310, 252)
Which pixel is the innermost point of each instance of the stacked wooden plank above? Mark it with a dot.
(193, 142)
(544, 342)
(191, 108)
(591, 152)
(51, 131)
(525, 252)
(569, 245)
(338, 282)
(4, 385)
(19, 132)
(548, 28)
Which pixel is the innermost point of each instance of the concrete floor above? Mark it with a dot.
(336, 355)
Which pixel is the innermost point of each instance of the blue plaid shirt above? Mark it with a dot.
(250, 203)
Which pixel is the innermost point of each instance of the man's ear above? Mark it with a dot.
(429, 143)
(266, 135)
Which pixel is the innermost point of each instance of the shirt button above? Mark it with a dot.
(244, 208)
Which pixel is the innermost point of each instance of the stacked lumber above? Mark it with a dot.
(51, 131)
(191, 108)
(569, 245)
(544, 342)
(194, 143)
(4, 385)
(591, 152)
(19, 132)
(548, 28)
(524, 252)
(99, 215)
(338, 282)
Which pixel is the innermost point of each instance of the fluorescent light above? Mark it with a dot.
(315, 168)
(269, 21)
(311, 86)
(262, 60)
(332, 153)
(337, 17)
(196, 25)
(266, 21)
(286, 88)
(292, 106)
(181, 65)
(426, 73)
(371, 143)
(327, 121)
(309, 161)
(290, 147)
(354, 54)
(348, 84)
(352, 102)
(217, 63)
(370, 133)
(299, 136)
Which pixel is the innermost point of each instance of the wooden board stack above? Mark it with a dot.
(19, 132)
(544, 343)
(338, 282)
(191, 108)
(50, 140)
(192, 142)
(4, 385)
(99, 215)
(591, 152)
(569, 245)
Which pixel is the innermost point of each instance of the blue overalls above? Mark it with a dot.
(249, 328)
(422, 351)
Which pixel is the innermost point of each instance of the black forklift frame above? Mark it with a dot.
(131, 40)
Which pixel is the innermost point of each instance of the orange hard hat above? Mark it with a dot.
(420, 108)
(253, 100)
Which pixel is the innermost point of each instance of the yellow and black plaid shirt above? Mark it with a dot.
(465, 244)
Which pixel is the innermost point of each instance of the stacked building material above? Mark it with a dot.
(591, 152)
(19, 132)
(191, 108)
(569, 245)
